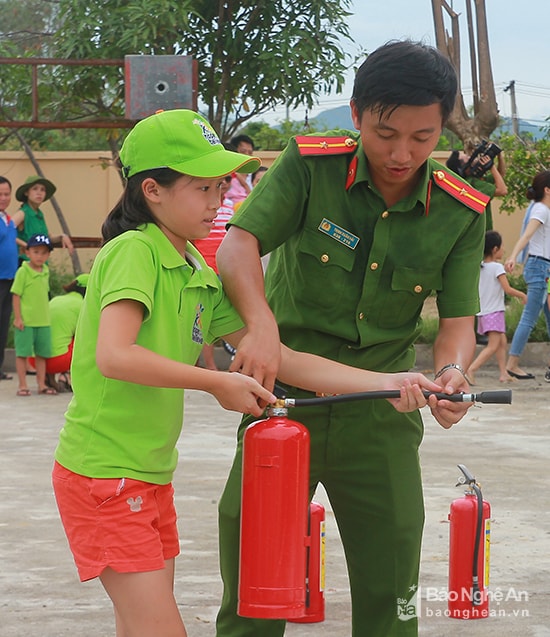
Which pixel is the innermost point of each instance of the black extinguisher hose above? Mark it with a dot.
(503, 396)
(476, 591)
(470, 480)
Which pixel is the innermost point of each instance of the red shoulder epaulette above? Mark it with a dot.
(323, 145)
(461, 191)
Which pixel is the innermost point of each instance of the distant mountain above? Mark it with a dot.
(332, 118)
(340, 117)
(524, 127)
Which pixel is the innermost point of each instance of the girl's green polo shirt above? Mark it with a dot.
(120, 429)
(33, 287)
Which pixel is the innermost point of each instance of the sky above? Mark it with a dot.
(519, 43)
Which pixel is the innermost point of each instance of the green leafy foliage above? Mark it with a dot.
(267, 137)
(525, 157)
(251, 55)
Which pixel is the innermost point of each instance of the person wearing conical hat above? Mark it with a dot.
(29, 219)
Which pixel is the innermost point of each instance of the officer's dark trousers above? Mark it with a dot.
(366, 456)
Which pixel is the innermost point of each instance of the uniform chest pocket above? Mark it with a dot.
(323, 276)
(403, 301)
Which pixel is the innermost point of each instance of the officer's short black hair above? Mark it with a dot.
(405, 73)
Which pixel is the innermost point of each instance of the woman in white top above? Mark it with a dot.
(535, 272)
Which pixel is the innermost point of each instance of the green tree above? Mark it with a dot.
(268, 137)
(27, 25)
(251, 54)
(525, 157)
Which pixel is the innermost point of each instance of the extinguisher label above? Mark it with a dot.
(487, 536)
(322, 544)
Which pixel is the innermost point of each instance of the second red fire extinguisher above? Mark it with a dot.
(469, 541)
(315, 582)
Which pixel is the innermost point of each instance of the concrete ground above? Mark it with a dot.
(505, 446)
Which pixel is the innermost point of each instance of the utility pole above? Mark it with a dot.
(515, 122)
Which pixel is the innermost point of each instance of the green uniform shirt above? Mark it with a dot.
(33, 287)
(34, 223)
(347, 277)
(64, 311)
(121, 429)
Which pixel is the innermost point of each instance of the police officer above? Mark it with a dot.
(361, 227)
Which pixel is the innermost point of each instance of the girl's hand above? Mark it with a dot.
(411, 386)
(241, 393)
(18, 324)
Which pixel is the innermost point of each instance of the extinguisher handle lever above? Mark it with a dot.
(468, 477)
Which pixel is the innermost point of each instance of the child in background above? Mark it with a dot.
(493, 285)
(257, 176)
(30, 290)
(64, 313)
(151, 303)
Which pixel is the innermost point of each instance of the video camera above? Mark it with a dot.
(473, 166)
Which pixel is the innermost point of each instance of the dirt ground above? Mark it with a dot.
(505, 446)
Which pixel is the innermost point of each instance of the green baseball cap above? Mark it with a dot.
(82, 280)
(183, 141)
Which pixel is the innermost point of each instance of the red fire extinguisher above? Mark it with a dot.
(469, 542)
(315, 582)
(274, 520)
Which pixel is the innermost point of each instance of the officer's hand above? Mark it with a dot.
(448, 413)
(259, 354)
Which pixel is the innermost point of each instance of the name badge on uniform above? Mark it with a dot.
(340, 234)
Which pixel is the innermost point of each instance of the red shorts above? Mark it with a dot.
(123, 523)
(57, 364)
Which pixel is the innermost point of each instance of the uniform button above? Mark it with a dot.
(325, 258)
(374, 266)
(385, 214)
(361, 316)
(418, 289)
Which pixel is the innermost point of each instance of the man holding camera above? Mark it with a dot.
(484, 169)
